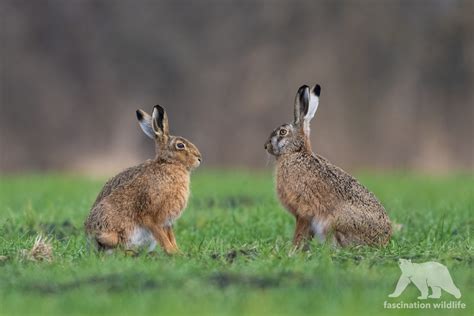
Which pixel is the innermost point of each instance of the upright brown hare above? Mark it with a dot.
(137, 208)
(325, 200)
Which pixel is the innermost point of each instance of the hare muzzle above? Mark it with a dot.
(197, 162)
(268, 146)
(271, 146)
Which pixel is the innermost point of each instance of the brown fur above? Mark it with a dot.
(149, 196)
(316, 191)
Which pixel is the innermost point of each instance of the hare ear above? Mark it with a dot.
(313, 102)
(312, 107)
(160, 122)
(301, 104)
(144, 119)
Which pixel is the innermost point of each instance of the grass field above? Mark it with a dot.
(235, 239)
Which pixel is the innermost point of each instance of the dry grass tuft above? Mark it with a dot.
(42, 250)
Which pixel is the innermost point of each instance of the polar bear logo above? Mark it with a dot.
(423, 275)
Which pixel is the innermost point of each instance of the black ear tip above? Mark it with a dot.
(160, 109)
(139, 115)
(302, 89)
(303, 93)
(161, 114)
(317, 90)
(303, 96)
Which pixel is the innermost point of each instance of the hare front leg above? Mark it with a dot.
(172, 239)
(161, 236)
(303, 233)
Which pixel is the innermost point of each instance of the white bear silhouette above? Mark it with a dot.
(424, 275)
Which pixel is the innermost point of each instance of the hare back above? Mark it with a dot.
(104, 218)
(122, 178)
(311, 185)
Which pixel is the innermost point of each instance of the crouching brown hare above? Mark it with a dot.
(137, 208)
(326, 201)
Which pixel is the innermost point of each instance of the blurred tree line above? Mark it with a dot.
(397, 80)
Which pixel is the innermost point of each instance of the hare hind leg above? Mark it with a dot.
(353, 227)
(344, 239)
(341, 239)
(107, 240)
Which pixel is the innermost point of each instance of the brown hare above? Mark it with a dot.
(137, 208)
(325, 200)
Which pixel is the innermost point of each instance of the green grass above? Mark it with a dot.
(235, 239)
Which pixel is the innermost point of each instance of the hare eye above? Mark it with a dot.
(283, 132)
(180, 146)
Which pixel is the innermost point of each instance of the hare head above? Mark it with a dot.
(169, 148)
(294, 137)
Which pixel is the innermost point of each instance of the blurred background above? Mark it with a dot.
(397, 81)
